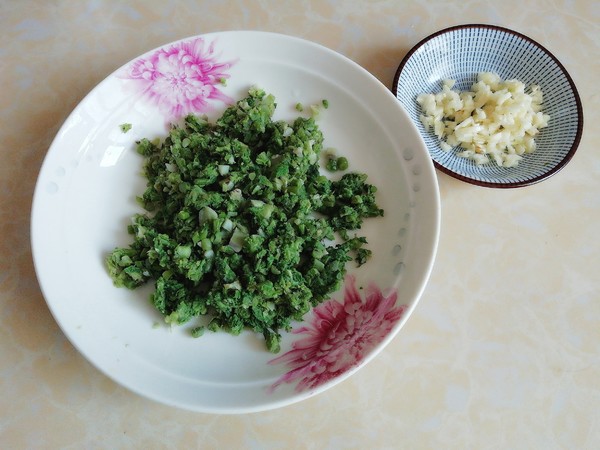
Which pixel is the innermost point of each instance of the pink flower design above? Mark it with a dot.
(339, 337)
(181, 79)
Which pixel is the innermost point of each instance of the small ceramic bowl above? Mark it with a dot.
(460, 53)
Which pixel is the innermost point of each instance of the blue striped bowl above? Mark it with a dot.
(460, 53)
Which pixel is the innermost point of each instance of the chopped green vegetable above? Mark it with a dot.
(299, 107)
(331, 164)
(315, 111)
(240, 225)
(325, 103)
(198, 331)
(125, 127)
(342, 163)
(334, 163)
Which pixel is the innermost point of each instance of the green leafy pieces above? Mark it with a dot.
(334, 164)
(240, 226)
(125, 127)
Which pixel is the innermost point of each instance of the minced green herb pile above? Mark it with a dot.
(241, 227)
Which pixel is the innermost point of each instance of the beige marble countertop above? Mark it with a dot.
(502, 352)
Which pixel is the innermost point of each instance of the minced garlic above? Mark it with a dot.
(497, 120)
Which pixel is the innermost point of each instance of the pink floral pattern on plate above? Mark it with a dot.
(339, 336)
(182, 78)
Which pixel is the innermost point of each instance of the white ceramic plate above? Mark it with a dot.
(85, 197)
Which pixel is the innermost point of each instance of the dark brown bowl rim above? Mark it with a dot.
(579, 107)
